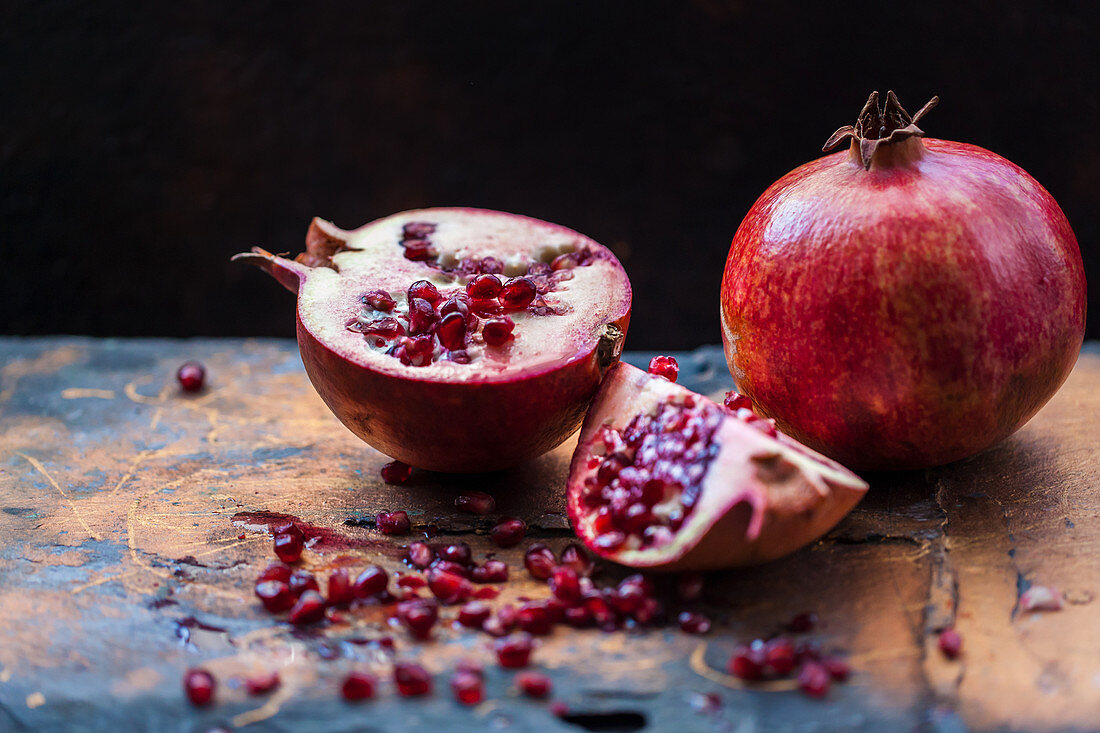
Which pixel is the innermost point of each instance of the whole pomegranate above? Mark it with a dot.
(664, 479)
(905, 303)
(456, 339)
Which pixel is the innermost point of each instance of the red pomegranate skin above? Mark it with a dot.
(905, 316)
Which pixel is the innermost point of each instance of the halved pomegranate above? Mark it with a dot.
(456, 339)
(664, 478)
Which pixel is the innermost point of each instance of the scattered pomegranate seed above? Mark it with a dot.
(747, 663)
(411, 679)
(396, 472)
(565, 585)
(950, 643)
(498, 331)
(198, 685)
(534, 618)
(664, 366)
(378, 299)
(419, 616)
(191, 376)
(694, 623)
(533, 684)
(411, 581)
(576, 557)
(468, 688)
(475, 502)
(780, 656)
(301, 581)
(559, 708)
(424, 289)
(540, 561)
(452, 331)
(802, 622)
(393, 522)
(517, 293)
(275, 571)
(484, 287)
(508, 532)
(1041, 598)
(449, 588)
(459, 553)
(309, 609)
(514, 651)
(370, 582)
(737, 401)
(486, 593)
(340, 590)
(814, 679)
(578, 617)
(358, 686)
(474, 614)
(420, 555)
(275, 595)
(837, 668)
(288, 547)
(493, 571)
(262, 684)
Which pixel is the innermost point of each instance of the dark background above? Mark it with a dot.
(141, 144)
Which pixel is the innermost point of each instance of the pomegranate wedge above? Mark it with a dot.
(456, 339)
(665, 479)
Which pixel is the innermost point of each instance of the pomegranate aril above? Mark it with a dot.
(540, 561)
(484, 287)
(384, 328)
(420, 555)
(340, 590)
(411, 680)
(802, 622)
(565, 261)
(459, 553)
(693, 623)
(534, 618)
(302, 580)
(288, 547)
(468, 688)
(576, 557)
(475, 502)
(275, 571)
(950, 643)
(371, 581)
(416, 351)
(417, 230)
(837, 668)
(275, 595)
(517, 294)
(198, 685)
(412, 582)
(648, 612)
(449, 588)
(446, 566)
(486, 308)
(396, 472)
(191, 376)
(533, 684)
(419, 250)
(422, 316)
(578, 617)
(452, 331)
(509, 532)
(664, 366)
(358, 686)
(474, 614)
(393, 522)
(419, 616)
(380, 300)
(424, 290)
(780, 656)
(514, 651)
(498, 331)
(486, 593)
(737, 401)
(814, 680)
(261, 684)
(565, 585)
(309, 609)
(747, 663)
(493, 571)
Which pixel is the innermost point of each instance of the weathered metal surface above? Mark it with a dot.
(118, 545)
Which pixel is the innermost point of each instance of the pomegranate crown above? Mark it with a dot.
(880, 126)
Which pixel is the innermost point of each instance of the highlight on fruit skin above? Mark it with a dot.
(904, 303)
(665, 479)
(456, 339)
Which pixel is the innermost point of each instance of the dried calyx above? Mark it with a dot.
(880, 126)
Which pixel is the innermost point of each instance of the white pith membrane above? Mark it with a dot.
(714, 457)
(564, 321)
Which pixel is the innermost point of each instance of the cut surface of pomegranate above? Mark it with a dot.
(447, 339)
(664, 478)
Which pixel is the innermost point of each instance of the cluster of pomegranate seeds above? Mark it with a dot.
(950, 643)
(475, 502)
(648, 481)
(198, 685)
(508, 532)
(664, 366)
(411, 680)
(533, 684)
(393, 522)
(416, 239)
(191, 376)
(781, 656)
(396, 472)
(358, 686)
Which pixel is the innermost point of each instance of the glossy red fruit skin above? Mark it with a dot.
(890, 326)
(480, 425)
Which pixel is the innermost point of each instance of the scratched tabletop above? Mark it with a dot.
(134, 520)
